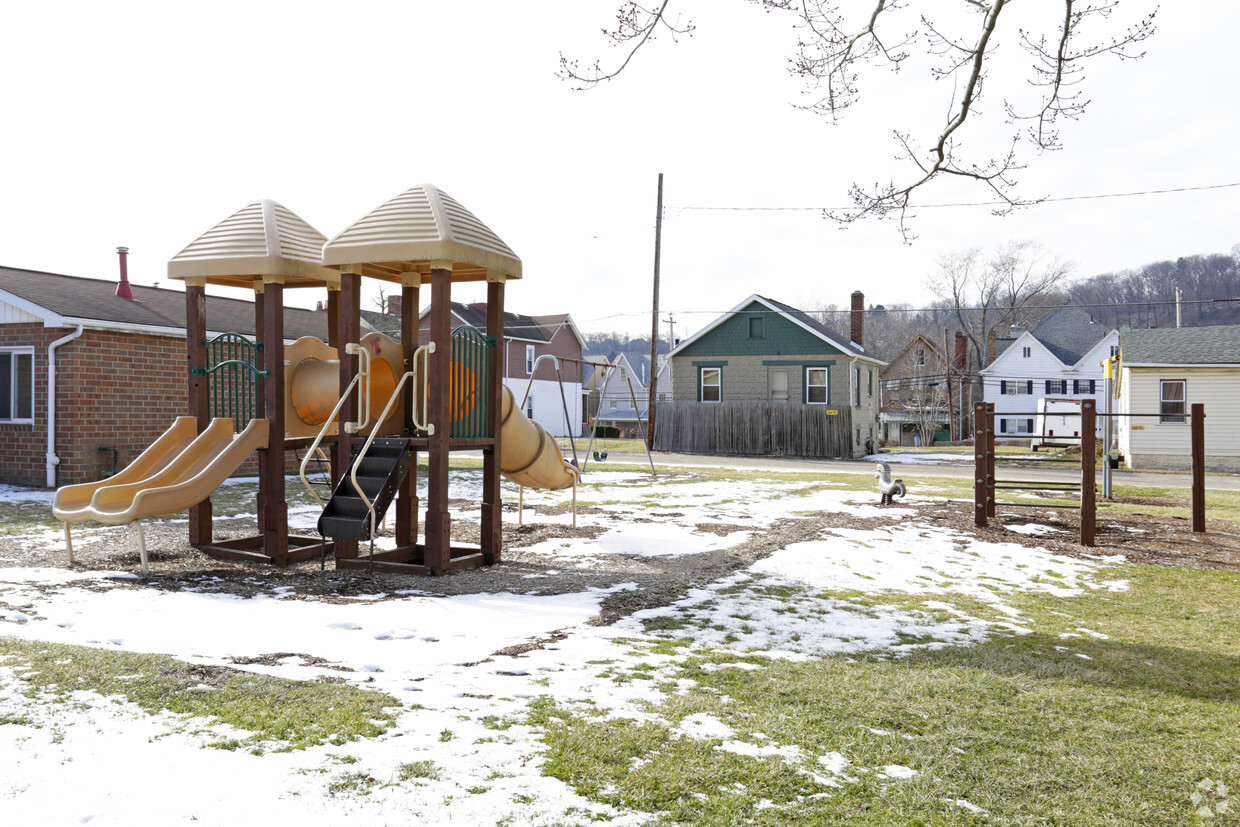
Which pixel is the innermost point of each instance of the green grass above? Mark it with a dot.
(275, 713)
(1019, 726)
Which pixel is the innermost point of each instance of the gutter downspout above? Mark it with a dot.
(52, 459)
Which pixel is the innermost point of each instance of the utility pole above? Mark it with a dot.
(654, 322)
(947, 378)
(1178, 296)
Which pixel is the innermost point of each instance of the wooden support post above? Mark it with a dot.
(492, 528)
(980, 478)
(991, 479)
(1089, 509)
(271, 459)
(438, 520)
(349, 321)
(199, 402)
(1198, 437)
(407, 498)
(260, 404)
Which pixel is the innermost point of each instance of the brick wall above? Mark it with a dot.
(114, 390)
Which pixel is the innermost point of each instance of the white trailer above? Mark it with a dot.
(1058, 424)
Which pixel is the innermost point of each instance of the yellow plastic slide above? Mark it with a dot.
(529, 455)
(178, 470)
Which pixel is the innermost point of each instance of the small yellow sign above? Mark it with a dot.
(831, 413)
(1138, 427)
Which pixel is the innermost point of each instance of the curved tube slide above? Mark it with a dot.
(529, 455)
(178, 470)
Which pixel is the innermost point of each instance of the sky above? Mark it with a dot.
(439, 655)
(144, 124)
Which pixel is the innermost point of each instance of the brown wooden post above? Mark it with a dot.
(980, 478)
(349, 321)
(990, 459)
(407, 499)
(271, 459)
(260, 406)
(1089, 510)
(199, 402)
(492, 528)
(438, 520)
(1198, 437)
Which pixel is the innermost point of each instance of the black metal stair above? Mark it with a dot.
(379, 475)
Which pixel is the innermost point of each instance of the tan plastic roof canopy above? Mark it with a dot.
(420, 226)
(262, 239)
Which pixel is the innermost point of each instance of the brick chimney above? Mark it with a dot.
(990, 346)
(961, 359)
(856, 330)
(122, 288)
(394, 305)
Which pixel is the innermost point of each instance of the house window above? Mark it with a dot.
(817, 386)
(1015, 387)
(757, 327)
(1115, 350)
(529, 359)
(1015, 426)
(1059, 386)
(778, 381)
(869, 383)
(529, 408)
(710, 384)
(1026, 352)
(921, 357)
(1080, 386)
(16, 386)
(1171, 401)
(857, 389)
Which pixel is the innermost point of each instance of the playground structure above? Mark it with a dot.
(985, 481)
(376, 402)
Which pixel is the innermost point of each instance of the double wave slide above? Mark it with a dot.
(179, 470)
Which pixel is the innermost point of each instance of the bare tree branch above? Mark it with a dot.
(636, 24)
(830, 54)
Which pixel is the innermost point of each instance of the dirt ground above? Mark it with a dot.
(656, 581)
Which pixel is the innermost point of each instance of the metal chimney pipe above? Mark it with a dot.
(123, 289)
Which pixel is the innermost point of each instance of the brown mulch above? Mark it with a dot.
(532, 564)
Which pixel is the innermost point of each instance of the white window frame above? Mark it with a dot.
(529, 407)
(529, 360)
(1165, 418)
(1026, 352)
(15, 392)
(717, 384)
(825, 384)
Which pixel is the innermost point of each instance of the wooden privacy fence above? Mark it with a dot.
(761, 428)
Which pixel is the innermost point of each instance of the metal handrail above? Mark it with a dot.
(363, 371)
(362, 376)
(387, 410)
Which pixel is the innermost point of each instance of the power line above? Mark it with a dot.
(1047, 200)
(881, 309)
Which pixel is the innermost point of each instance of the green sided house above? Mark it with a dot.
(766, 378)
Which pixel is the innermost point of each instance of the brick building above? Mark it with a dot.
(105, 362)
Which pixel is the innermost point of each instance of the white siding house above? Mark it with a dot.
(1164, 371)
(1060, 358)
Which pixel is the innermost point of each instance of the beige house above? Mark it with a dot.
(1164, 371)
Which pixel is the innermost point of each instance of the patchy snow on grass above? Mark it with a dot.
(459, 750)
